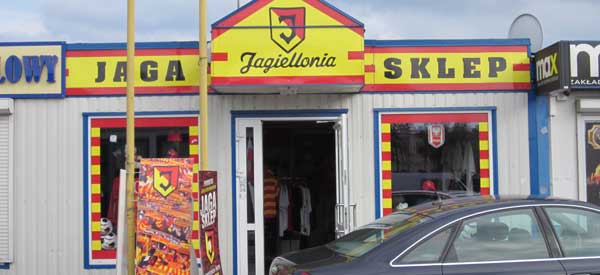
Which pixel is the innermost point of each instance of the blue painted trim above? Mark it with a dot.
(495, 150)
(288, 113)
(5, 266)
(38, 43)
(214, 25)
(543, 145)
(448, 42)
(139, 45)
(446, 92)
(86, 225)
(377, 136)
(234, 192)
(63, 88)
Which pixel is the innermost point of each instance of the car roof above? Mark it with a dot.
(443, 208)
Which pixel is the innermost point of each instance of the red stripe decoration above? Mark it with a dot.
(338, 16)
(288, 80)
(483, 136)
(194, 140)
(96, 216)
(94, 91)
(195, 235)
(96, 236)
(145, 122)
(138, 52)
(387, 175)
(104, 254)
(219, 56)
(95, 141)
(387, 193)
(369, 68)
(484, 173)
(95, 179)
(237, 17)
(356, 55)
(386, 137)
(521, 67)
(96, 198)
(484, 154)
(484, 191)
(386, 156)
(96, 160)
(446, 87)
(387, 211)
(435, 118)
(449, 49)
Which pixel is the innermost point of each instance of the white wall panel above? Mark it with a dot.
(49, 162)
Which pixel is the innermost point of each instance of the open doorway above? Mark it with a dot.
(299, 186)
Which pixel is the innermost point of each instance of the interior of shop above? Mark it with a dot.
(299, 159)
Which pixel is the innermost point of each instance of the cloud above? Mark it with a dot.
(21, 26)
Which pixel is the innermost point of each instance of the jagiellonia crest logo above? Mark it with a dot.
(288, 27)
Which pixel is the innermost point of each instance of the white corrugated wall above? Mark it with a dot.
(49, 160)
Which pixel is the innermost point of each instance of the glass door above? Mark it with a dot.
(249, 178)
(589, 159)
(345, 212)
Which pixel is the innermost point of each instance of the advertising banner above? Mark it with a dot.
(287, 43)
(209, 231)
(32, 70)
(160, 71)
(164, 217)
(446, 68)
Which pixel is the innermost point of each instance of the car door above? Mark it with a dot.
(509, 241)
(578, 233)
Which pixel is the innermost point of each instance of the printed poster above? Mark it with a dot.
(209, 232)
(164, 216)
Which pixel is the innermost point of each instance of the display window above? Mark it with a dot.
(591, 188)
(429, 152)
(155, 137)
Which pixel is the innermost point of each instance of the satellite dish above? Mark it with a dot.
(527, 26)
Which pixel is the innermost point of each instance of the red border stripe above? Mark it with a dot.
(95, 141)
(386, 156)
(146, 122)
(220, 56)
(521, 67)
(356, 55)
(288, 80)
(138, 52)
(484, 154)
(369, 68)
(450, 49)
(484, 136)
(92, 91)
(237, 17)
(446, 87)
(386, 137)
(338, 16)
(438, 118)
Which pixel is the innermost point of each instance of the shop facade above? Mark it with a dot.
(300, 104)
(567, 74)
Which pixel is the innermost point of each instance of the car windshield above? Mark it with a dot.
(370, 236)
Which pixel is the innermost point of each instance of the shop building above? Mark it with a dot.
(299, 102)
(567, 74)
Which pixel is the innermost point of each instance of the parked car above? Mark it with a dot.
(410, 198)
(469, 235)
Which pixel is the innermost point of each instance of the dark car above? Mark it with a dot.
(409, 198)
(470, 235)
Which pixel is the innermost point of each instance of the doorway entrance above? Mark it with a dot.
(292, 187)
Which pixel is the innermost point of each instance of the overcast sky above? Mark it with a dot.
(177, 20)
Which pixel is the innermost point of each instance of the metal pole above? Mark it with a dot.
(130, 137)
(203, 121)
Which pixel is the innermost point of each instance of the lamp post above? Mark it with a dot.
(130, 156)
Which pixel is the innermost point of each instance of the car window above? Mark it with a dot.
(429, 251)
(370, 236)
(506, 235)
(577, 230)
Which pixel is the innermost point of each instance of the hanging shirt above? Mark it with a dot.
(284, 202)
(468, 165)
(305, 212)
(270, 195)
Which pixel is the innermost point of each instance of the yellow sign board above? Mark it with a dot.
(287, 43)
(161, 71)
(31, 70)
(447, 68)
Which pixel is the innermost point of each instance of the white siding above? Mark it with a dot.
(6, 205)
(563, 144)
(49, 161)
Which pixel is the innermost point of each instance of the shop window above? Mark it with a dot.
(427, 152)
(155, 137)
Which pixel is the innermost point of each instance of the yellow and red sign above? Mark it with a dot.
(287, 43)
(165, 211)
(31, 70)
(447, 68)
(158, 71)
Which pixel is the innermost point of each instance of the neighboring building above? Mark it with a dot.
(297, 97)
